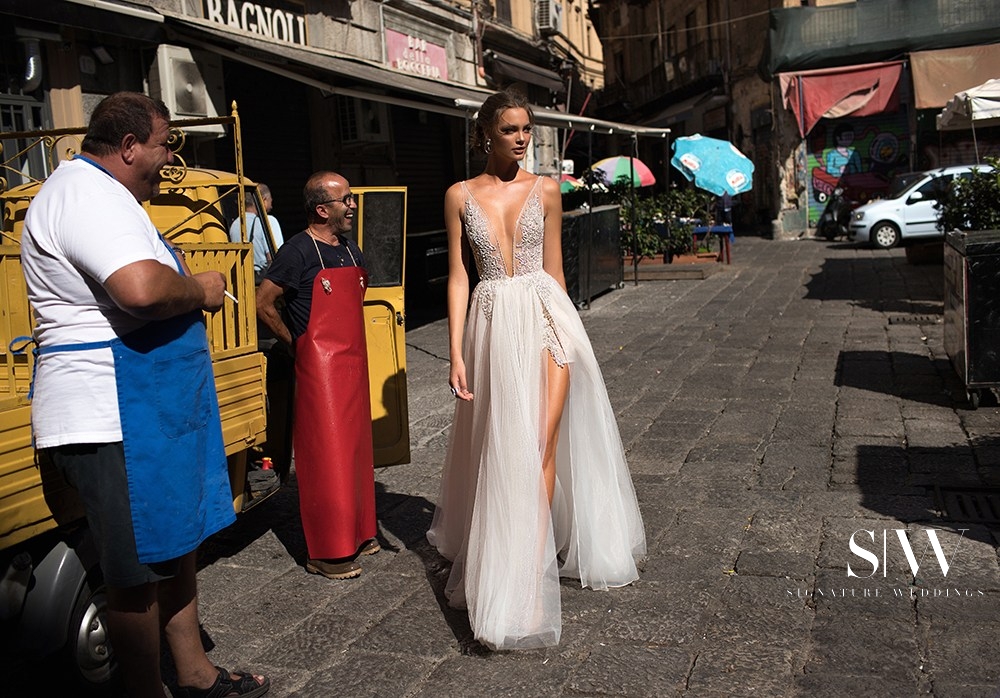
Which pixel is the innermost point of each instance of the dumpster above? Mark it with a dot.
(972, 309)
(592, 261)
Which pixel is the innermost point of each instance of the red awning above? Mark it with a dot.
(858, 90)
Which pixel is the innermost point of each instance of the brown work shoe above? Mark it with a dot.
(334, 570)
(370, 547)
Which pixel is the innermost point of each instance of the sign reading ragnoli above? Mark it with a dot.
(412, 54)
(269, 22)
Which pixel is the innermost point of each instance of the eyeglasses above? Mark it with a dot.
(346, 200)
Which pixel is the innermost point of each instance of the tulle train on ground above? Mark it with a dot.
(493, 520)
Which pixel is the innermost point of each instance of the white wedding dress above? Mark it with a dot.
(492, 518)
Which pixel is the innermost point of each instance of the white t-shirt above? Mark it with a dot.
(81, 228)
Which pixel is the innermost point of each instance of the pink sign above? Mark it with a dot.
(411, 54)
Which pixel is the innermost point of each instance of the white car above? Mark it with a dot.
(911, 213)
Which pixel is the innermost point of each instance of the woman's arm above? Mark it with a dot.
(552, 259)
(458, 289)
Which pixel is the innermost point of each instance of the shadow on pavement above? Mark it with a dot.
(901, 374)
(886, 284)
(408, 519)
(941, 488)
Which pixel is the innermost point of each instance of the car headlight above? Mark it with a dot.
(859, 215)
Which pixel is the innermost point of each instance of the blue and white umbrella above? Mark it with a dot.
(714, 165)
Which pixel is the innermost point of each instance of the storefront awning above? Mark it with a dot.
(510, 69)
(857, 90)
(324, 70)
(940, 75)
(106, 16)
(684, 110)
(551, 117)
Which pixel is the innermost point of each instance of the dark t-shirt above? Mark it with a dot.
(295, 266)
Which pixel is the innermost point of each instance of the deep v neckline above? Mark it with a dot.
(518, 228)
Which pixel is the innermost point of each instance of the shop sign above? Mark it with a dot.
(411, 54)
(269, 22)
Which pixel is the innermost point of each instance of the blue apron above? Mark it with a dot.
(175, 458)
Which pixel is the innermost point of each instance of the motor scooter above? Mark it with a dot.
(835, 221)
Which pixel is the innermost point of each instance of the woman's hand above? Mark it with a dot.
(457, 382)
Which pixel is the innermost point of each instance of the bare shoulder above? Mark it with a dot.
(455, 193)
(549, 185)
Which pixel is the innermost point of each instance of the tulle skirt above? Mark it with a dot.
(493, 521)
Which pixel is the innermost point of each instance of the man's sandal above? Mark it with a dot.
(225, 686)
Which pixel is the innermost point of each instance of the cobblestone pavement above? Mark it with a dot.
(773, 413)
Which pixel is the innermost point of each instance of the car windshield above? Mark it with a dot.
(903, 182)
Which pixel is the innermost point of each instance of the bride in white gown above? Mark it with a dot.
(516, 513)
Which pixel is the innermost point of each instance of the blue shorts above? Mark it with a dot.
(97, 471)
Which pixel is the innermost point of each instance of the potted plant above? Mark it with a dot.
(970, 218)
(972, 203)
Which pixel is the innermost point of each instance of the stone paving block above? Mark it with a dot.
(944, 463)
(962, 689)
(639, 670)
(659, 456)
(825, 684)
(670, 617)
(741, 453)
(779, 453)
(751, 627)
(790, 565)
(865, 646)
(744, 425)
(963, 651)
(770, 670)
(669, 566)
(891, 427)
(367, 674)
(423, 624)
(934, 433)
(468, 676)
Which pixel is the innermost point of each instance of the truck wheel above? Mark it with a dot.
(88, 650)
(885, 235)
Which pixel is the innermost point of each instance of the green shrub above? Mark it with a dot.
(973, 203)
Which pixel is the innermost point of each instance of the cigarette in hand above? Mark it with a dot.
(231, 297)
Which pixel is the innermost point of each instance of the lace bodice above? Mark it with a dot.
(529, 232)
(528, 236)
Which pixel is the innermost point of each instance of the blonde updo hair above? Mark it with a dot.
(489, 115)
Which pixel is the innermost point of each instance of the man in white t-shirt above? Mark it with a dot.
(119, 326)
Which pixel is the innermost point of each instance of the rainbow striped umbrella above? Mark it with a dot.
(624, 167)
(568, 183)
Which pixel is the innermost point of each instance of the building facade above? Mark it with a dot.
(366, 88)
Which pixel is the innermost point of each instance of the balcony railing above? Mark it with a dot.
(699, 62)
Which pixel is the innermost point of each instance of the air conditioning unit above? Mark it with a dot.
(190, 84)
(548, 14)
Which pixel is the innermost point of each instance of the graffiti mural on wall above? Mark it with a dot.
(859, 156)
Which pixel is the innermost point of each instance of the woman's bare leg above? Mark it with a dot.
(557, 387)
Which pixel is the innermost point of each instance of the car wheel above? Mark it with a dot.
(88, 651)
(885, 235)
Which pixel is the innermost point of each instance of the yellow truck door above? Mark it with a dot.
(381, 231)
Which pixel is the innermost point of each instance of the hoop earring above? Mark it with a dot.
(488, 146)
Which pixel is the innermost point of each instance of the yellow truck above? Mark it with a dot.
(51, 591)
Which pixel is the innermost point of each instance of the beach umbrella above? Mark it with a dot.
(712, 164)
(623, 167)
(568, 183)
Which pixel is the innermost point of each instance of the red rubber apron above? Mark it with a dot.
(333, 420)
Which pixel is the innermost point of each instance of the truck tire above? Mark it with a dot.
(88, 653)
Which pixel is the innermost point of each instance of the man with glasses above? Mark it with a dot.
(320, 276)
